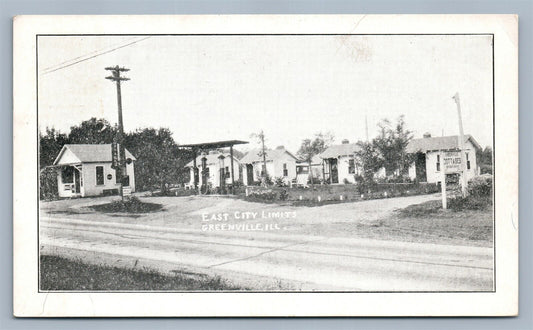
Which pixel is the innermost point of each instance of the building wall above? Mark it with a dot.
(343, 163)
(274, 170)
(278, 169)
(89, 178)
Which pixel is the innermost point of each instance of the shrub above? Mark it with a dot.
(480, 186)
(48, 184)
(364, 184)
(283, 195)
(279, 182)
(266, 180)
(132, 205)
(238, 184)
(267, 195)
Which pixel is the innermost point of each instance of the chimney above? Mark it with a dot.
(427, 135)
(345, 141)
(280, 147)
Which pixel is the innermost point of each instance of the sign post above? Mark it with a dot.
(452, 163)
(443, 191)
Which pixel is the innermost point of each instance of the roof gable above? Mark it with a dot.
(87, 153)
(66, 156)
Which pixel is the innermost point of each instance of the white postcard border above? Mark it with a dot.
(29, 302)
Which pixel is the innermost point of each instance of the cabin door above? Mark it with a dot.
(334, 170)
(249, 174)
(420, 167)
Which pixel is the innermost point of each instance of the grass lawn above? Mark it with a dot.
(63, 274)
(133, 205)
(424, 222)
(458, 223)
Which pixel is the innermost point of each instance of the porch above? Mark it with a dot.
(70, 180)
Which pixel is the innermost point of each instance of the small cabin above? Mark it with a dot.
(85, 170)
(429, 154)
(280, 163)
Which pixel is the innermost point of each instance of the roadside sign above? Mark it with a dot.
(452, 162)
(114, 155)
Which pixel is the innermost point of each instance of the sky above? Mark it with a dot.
(211, 88)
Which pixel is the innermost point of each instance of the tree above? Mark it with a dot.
(262, 153)
(484, 159)
(312, 147)
(159, 160)
(369, 159)
(49, 146)
(92, 131)
(391, 143)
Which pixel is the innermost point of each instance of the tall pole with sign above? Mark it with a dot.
(461, 145)
(121, 168)
(443, 189)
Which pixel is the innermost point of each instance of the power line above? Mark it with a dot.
(87, 54)
(96, 55)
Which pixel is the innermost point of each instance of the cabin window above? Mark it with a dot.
(285, 170)
(67, 175)
(117, 179)
(438, 163)
(227, 172)
(467, 162)
(351, 166)
(99, 175)
(263, 170)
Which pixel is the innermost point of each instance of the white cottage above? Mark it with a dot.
(339, 163)
(85, 170)
(214, 166)
(280, 163)
(429, 152)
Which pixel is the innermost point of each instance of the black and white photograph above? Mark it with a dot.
(246, 163)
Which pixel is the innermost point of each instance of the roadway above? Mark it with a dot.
(270, 260)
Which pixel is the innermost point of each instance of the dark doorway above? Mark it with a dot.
(249, 174)
(334, 170)
(420, 167)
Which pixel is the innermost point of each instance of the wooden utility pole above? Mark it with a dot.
(262, 137)
(121, 171)
(461, 145)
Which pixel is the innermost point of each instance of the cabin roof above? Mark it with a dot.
(90, 153)
(252, 156)
(438, 143)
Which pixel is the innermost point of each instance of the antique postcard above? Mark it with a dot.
(347, 165)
